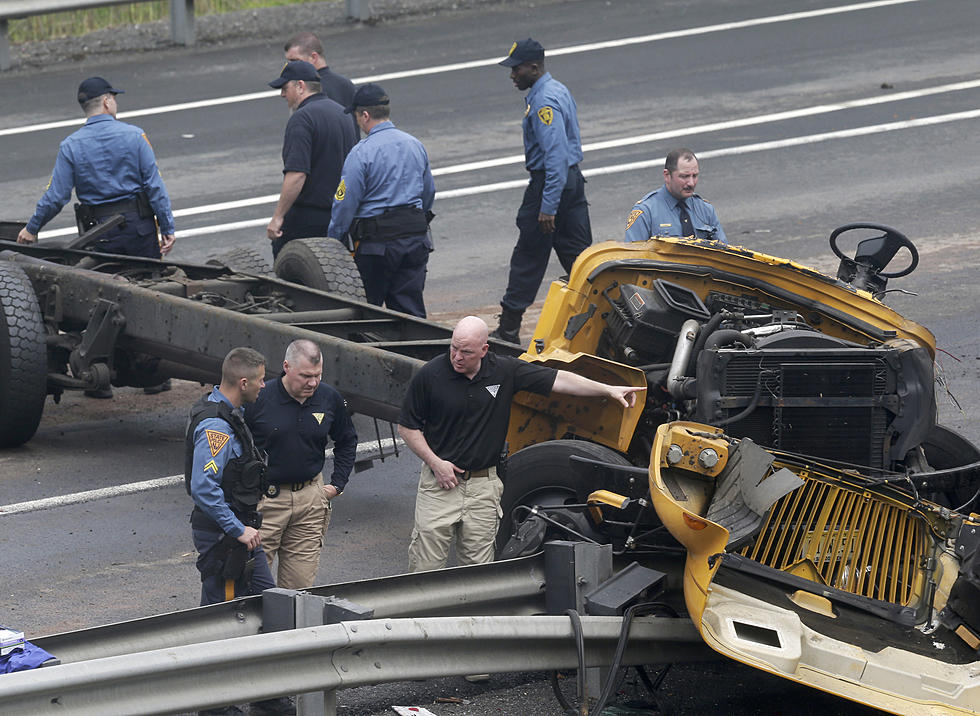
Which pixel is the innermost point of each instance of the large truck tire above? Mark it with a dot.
(540, 475)
(323, 264)
(23, 358)
(244, 259)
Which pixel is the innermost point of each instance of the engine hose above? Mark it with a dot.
(753, 404)
(706, 330)
(727, 336)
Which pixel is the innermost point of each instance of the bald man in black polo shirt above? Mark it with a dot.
(455, 418)
(292, 420)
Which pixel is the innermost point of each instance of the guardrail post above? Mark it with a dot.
(182, 22)
(359, 9)
(4, 44)
(290, 609)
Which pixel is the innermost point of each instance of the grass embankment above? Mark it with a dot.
(80, 22)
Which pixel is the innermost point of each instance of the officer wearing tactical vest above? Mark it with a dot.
(225, 474)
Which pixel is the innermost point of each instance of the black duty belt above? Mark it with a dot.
(97, 211)
(274, 488)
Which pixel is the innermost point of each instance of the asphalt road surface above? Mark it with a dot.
(807, 114)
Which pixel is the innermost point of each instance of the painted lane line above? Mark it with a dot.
(365, 451)
(456, 66)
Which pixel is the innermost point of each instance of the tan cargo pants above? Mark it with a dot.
(470, 512)
(293, 526)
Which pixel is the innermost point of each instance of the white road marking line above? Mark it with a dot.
(610, 144)
(365, 450)
(453, 67)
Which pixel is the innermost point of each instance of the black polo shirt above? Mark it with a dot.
(465, 421)
(295, 434)
(317, 139)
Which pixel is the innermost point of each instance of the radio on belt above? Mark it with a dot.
(10, 641)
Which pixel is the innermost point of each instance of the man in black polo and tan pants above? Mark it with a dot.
(455, 418)
(292, 420)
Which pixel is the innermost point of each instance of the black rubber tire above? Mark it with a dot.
(244, 259)
(539, 474)
(23, 358)
(323, 264)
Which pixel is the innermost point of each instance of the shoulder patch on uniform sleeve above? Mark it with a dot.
(634, 215)
(147, 140)
(341, 191)
(546, 115)
(216, 441)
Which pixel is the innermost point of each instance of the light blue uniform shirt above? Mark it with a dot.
(657, 214)
(387, 168)
(551, 137)
(211, 454)
(105, 161)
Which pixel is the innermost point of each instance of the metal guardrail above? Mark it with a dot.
(181, 17)
(335, 657)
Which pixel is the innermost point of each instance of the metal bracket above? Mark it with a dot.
(98, 345)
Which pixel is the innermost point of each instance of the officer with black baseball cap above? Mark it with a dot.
(130, 186)
(318, 137)
(554, 213)
(383, 205)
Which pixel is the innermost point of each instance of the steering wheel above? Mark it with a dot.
(877, 251)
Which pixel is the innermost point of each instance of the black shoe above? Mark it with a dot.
(159, 388)
(283, 706)
(509, 336)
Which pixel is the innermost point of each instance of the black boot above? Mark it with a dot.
(510, 325)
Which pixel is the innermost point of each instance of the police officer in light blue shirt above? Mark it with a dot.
(674, 209)
(384, 202)
(113, 170)
(554, 213)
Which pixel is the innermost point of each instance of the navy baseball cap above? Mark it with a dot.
(369, 95)
(523, 51)
(295, 70)
(95, 87)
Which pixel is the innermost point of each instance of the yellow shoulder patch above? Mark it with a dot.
(546, 115)
(634, 215)
(216, 441)
(319, 418)
(341, 191)
(147, 140)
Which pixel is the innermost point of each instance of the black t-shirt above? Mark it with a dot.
(465, 421)
(295, 434)
(340, 90)
(317, 139)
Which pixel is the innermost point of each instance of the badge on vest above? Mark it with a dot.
(492, 389)
(319, 418)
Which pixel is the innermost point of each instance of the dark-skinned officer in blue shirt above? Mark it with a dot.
(113, 170)
(384, 202)
(674, 209)
(554, 213)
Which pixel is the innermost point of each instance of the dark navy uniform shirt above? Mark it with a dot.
(657, 214)
(387, 168)
(295, 434)
(105, 161)
(551, 137)
(465, 421)
(317, 139)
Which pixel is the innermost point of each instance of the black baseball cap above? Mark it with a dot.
(523, 51)
(369, 95)
(95, 87)
(295, 70)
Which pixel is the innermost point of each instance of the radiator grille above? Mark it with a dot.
(853, 541)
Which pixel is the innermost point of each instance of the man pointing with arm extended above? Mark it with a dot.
(455, 418)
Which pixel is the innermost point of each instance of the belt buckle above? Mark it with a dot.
(465, 476)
